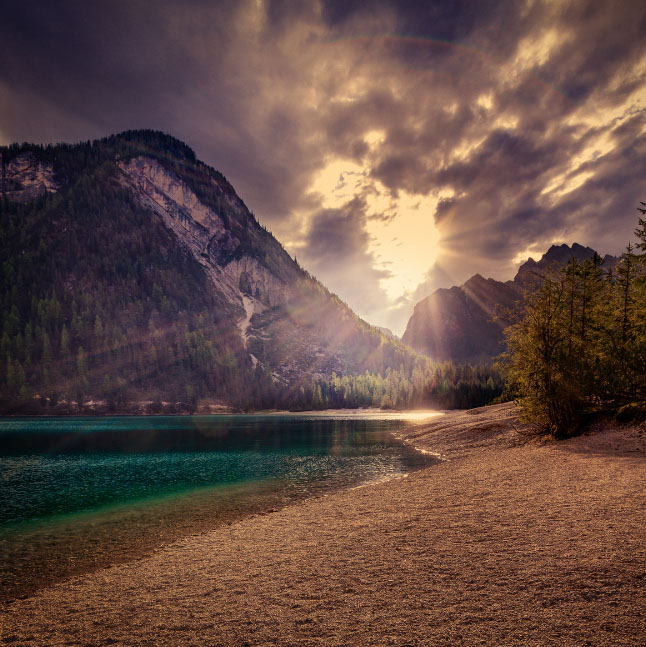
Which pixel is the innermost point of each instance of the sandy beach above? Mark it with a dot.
(512, 540)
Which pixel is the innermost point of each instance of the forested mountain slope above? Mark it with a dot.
(132, 271)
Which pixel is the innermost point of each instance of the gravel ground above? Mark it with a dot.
(511, 541)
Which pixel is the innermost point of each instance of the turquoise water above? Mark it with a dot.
(77, 493)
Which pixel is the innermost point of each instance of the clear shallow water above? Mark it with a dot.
(78, 493)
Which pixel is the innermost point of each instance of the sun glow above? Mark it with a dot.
(406, 243)
(485, 101)
(374, 137)
(403, 235)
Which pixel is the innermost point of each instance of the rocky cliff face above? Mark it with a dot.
(25, 177)
(202, 231)
(466, 323)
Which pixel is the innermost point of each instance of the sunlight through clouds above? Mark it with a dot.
(406, 244)
(403, 235)
(393, 147)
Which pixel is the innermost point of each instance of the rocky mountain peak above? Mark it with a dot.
(556, 255)
(219, 233)
(465, 323)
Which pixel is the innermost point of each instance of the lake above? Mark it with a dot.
(82, 493)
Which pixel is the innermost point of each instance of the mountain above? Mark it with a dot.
(556, 256)
(457, 324)
(131, 271)
(387, 331)
(465, 323)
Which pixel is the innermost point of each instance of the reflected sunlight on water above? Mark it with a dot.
(363, 414)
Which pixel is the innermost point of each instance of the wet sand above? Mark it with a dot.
(511, 541)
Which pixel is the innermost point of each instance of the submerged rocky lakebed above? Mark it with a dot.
(82, 493)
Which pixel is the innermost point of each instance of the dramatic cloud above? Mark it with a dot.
(394, 147)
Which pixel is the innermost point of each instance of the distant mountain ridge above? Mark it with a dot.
(133, 271)
(460, 324)
(558, 256)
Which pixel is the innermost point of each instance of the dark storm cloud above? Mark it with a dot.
(345, 122)
(504, 222)
(77, 70)
(441, 20)
(505, 158)
(611, 39)
(516, 116)
(336, 250)
(338, 233)
(93, 59)
(605, 205)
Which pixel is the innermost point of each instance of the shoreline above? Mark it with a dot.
(220, 411)
(144, 527)
(512, 540)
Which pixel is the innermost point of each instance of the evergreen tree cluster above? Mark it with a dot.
(579, 347)
(98, 302)
(430, 384)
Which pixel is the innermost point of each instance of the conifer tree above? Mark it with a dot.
(65, 341)
(580, 344)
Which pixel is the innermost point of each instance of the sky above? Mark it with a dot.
(394, 147)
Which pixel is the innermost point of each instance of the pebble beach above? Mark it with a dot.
(513, 539)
